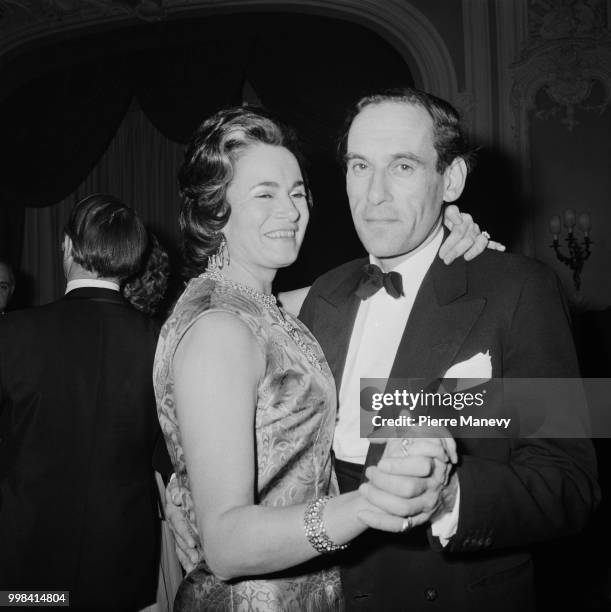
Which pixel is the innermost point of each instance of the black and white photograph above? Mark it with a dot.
(305, 305)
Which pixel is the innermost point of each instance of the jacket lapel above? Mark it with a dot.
(441, 318)
(338, 310)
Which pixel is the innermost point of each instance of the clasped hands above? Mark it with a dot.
(413, 483)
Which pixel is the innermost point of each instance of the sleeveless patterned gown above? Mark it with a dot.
(294, 424)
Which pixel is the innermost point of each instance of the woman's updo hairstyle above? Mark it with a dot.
(208, 169)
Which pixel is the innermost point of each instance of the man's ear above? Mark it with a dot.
(455, 177)
(67, 245)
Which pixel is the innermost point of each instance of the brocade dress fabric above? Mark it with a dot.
(294, 424)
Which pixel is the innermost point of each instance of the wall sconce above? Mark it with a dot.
(578, 252)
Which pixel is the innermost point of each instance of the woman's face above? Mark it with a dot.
(269, 208)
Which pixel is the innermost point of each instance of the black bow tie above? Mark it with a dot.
(374, 279)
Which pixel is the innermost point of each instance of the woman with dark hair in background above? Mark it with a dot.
(78, 425)
(148, 290)
(245, 397)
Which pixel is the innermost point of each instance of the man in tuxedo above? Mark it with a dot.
(7, 285)
(466, 542)
(78, 426)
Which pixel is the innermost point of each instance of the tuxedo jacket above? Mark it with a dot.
(78, 423)
(513, 492)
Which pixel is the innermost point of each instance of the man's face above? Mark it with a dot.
(394, 189)
(6, 287)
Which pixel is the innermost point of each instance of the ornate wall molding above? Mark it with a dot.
(512, 32)
(569, 49)
(511, 36)
(559, 47)
(476, 108)
(566, 71)
(15, 14)
(27, 22)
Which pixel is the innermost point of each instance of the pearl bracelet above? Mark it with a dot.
(315, 528)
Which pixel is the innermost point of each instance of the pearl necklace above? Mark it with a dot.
(269, 302)
(265, 299)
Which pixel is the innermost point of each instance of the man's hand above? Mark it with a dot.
(465, 237)
(401, 492)
(411, 480)
(186, 546)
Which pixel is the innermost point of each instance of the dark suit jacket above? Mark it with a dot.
(78, 425)
(512, 492)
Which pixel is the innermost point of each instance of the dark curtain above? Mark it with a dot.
(306, 69)
(55, 130)
(11, 225)
(178, 87)
(57, 127)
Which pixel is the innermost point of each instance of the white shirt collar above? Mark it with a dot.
(91, 282)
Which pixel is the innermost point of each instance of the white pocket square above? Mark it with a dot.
(479, 366)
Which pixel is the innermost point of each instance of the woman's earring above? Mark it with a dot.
(218, 260)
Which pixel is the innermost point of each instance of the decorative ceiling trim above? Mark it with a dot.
(24, 22)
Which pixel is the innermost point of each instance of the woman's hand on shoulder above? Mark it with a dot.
(465, 237)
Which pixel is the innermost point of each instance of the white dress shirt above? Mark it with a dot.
(378, 329)
(375, 338)
(91, 282)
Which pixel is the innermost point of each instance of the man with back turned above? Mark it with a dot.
(78, 425)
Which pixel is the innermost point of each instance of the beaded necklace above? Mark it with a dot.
(268, 301)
